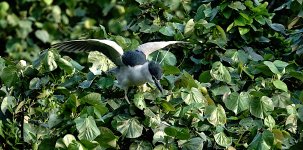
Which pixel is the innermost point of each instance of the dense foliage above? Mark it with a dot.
(237, 85)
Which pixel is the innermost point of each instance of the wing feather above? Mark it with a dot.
(109, 48)
(148, 48)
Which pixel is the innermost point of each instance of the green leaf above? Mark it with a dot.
(141, 145)
(269, 121)
(128, 127)
(253, 55)
(87, 128)
(280, 85)
(237, 5)
(139, 101)
(297, 75)
(100, 63)
(94, 99)
(42, 35)
(215, 115)
(220, 72)
(292, 123)
(106, 138)
(8, 103)
(65, 141)
(34, 84)
(105, 83)
(193, 96)
(237, 102)
(91, 98)
(261, 107)
(220, 90)
(281, 65)
(46, 61)
(243, 30)
(222, 140)
(272, 67)
(167, 106)
(205, 77)
(167, 57)
(195, 143)
(262, 141)
(222, 33)
(260, 19)
(189, 27)
(167, 30)
(66, 66)
(177, 132)
(48, 2)
(4, 6)
(281, 100)
(168, 70)
(9, 76)
(277, 27)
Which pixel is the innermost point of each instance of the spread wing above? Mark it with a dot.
(109, 48)
(148, 48)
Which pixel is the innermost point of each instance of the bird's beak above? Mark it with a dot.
(158, 85)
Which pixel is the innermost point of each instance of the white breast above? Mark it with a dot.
(133, 76)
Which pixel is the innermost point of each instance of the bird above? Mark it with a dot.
(133, 68)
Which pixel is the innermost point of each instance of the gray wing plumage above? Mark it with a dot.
(148, 48)
(109, 48)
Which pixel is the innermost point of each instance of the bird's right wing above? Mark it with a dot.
(109, 48)
(148, 48)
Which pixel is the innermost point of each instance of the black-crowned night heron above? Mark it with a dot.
(133, 69)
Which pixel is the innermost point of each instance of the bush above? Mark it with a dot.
(238, 85)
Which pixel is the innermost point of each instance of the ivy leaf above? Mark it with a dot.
(179, 133)
(141, 145)
(48, 2)
(237, 5)
(167, 30)
(65, 141)
(277, 27)
(195, 143)
(269, 121)
(106, 138)
(46, 61)
(139, 101)
(280, 85)
(220, 72)
(66, 66)
(9, 76)
(272, 67)
(292, 123)
(128, 127)
(222, 139)
(100, 63)
(189, 27)
(237, 102)
(193, 96)
(87, 128)
(216, 115)
(261, 107)
(42, 35)
(281, 100)
(243, 30)
(262, 141)
(167, 57)
(8, 103)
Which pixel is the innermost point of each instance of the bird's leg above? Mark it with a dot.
(125, 95)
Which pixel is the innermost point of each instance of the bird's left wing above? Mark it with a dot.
(109, 48)
(148, 48)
